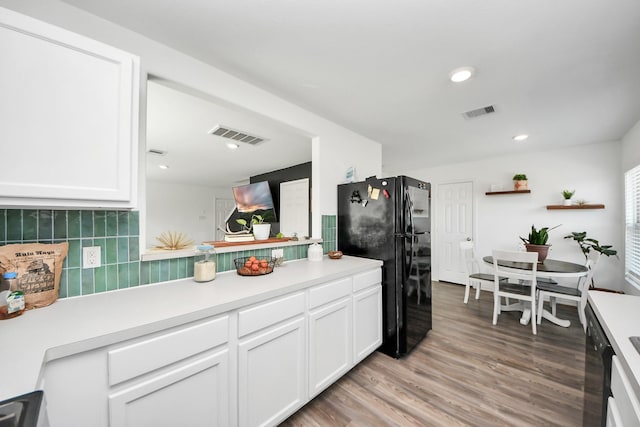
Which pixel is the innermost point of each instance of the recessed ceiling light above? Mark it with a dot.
(232, 146)
(520, 137)
(163, 166)
(461, 74)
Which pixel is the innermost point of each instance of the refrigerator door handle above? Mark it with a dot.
(409, 227)
(408, 206)
(419, 233)
(410, 256)
(410, 264)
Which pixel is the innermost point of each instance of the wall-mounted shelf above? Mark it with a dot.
(575, 207)
(493, 193)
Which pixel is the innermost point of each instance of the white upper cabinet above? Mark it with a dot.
(68, 118)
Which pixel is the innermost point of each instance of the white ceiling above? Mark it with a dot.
(178, 122)
(563, 71)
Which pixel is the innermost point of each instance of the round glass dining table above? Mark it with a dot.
(550, 268)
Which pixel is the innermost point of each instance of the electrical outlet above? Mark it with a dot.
(91, 257)
(277, 253)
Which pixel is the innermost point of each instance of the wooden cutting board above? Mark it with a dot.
(224, 244)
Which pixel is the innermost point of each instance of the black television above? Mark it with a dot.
(255, 199)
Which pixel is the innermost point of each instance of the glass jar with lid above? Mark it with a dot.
(13, 303)
(204, 269)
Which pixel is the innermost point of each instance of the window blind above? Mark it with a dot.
(632, 224)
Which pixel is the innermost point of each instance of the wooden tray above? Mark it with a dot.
(224, 244)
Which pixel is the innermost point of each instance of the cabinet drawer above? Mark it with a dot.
(625, 398)
(364, 280)
(266, 314)
(151, 353)
(322, 294)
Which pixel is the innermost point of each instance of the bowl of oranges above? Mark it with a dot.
(254, 266)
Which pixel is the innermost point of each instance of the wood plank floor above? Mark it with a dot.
(467, 372)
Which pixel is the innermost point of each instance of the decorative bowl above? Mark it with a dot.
(254, 266)
(335, 254)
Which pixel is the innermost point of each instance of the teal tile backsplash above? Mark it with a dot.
(117, 233)
(110, 230)
(329, 233)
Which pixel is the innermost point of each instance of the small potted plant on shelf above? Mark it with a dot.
(520, 182)
(537, 241)
(260, 228)
(568, 194)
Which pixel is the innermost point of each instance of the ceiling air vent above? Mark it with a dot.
(236, 135)
(479, 112)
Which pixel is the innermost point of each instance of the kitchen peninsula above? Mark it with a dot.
(235, 351)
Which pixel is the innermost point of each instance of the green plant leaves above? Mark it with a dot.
(587, 244)
(538, 237)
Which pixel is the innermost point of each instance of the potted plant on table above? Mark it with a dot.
(568, 194)
(537, 241)
(260, 228)
(520, 182)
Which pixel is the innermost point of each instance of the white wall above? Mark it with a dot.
(631, 159)
(631, 148)
(189, 209)
(333, 143)
(593, 171)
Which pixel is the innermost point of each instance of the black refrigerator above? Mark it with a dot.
(389, 219)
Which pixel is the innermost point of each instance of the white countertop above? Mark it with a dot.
(619, 316)
(74, 325)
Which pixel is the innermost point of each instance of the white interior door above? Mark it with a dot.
(455, 224)
(223, 208)
(294, 207)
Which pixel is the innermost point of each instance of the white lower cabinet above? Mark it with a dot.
(179, 376)
(193, 394)
(271, 374)
(367, 314)
(624, 404)
(330, 337)
(252, 366)
(613, 414)
(271, 360)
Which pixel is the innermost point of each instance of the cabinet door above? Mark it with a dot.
(330, 348)
(613, 414)
(195, 394)
(271, 374)
(81, 377)
(367, 322)
(625, 399)
(69, 117)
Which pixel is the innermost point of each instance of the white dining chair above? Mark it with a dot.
(577, 294)
(521, 284)
(475, 277)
